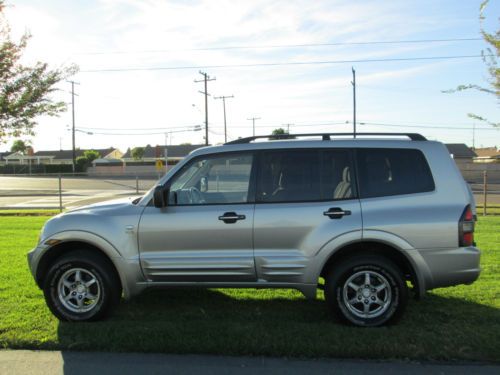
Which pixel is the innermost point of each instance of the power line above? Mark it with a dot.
(274, 46)
(163, 128)
(424, 126)
(297, 63)
(153, 131)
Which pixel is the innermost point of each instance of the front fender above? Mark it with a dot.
(128, 269)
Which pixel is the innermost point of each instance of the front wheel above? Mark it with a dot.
(366, 291)
(81, 286)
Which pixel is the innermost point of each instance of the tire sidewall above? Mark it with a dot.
(52, 294)
(335, 296)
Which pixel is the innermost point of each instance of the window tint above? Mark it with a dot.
(304, 175)
(392, 171)
(213, 180)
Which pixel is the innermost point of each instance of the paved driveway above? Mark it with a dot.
(41, 362)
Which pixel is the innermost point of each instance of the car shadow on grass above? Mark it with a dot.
(283, 323)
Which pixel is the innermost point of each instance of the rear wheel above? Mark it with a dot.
(81, 286)
(366, 291)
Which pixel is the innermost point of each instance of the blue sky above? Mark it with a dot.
(117, 34)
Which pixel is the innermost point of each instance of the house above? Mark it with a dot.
(460, 152)
(66, 156)
(152, 162)
(57, 157)
(175, 153)
(487, 155)
(2, 157)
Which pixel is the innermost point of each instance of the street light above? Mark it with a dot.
(84, 132)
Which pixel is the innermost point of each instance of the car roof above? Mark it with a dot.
(311, 144)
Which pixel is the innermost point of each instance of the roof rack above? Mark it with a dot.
(325, 136)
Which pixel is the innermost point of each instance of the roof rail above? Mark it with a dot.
(325, 136)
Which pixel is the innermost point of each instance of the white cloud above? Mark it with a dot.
(66, 32)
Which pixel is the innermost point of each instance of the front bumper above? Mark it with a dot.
(33, 260)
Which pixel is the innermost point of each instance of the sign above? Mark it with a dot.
(159, 165)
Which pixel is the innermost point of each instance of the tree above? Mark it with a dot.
(490, 59)
(137, 153)
(19, 146)
(279, 132)
(91, 155)
(25, 91)
(82, 163)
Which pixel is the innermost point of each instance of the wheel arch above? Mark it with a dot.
(55, 252)
(378, 248)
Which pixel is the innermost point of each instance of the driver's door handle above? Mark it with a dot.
(336, 213)
(231, 217)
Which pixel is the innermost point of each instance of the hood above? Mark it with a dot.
(104, 206)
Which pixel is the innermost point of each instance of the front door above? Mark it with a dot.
(205, 232)
(305, 199)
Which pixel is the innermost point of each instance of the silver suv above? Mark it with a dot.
(361, 218)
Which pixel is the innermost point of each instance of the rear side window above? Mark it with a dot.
(304, 176)
(384, 172)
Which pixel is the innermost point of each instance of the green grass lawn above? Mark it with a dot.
(459, 323)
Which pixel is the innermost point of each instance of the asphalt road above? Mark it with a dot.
(73, 363)
(43, 192)
(51, 184)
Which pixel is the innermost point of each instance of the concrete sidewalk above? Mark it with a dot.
(45, 362)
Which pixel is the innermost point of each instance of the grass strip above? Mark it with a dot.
(457, 323)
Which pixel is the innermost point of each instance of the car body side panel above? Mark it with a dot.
(288, 237)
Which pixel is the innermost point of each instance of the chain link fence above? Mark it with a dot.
(66, 191)
(69, 190)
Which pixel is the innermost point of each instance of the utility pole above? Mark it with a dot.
(166, 152)
(73, 120)
(205, 79)
(287, 127)
(354, 101)
(474, 135)
(253, 123)
(224, 106)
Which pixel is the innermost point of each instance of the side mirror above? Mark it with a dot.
(160, 197)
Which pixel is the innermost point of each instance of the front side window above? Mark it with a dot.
(304, 176)
(212, 180)
(385, 172)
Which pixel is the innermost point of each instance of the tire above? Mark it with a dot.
(75, 277)
(377, 300)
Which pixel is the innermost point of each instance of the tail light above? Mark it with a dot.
(466, 228)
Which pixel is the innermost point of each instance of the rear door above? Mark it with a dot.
(399, 198)
(304, 199)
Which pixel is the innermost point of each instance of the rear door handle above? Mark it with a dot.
(231, 217)
(336, 213)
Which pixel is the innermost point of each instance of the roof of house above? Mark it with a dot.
(173, 151)
(4, 154)
(68, 154)
(487, 152)
(460, 150)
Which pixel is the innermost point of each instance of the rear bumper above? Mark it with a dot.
(447, 267)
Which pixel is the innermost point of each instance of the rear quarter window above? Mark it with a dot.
(385, 172)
